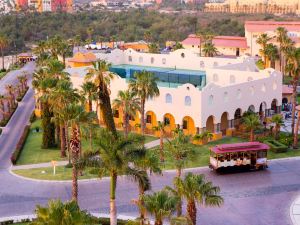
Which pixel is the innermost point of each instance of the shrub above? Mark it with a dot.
(7, 222)
(4, 122)
(276, 146)
(16, 154)
(286, 139)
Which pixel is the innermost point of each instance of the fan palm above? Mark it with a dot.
(2, 106)
(196, 189)
(251, 122)
(129, 104)
(277, 119)
(161, 205)
(263, 40)
(101, 76)
(89, 91)
(271, 53)
(115, 156)
(281, 36)
(145, 87)
(209, 50)
(11, 96)
(161, 128)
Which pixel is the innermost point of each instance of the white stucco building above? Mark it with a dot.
(196, 93)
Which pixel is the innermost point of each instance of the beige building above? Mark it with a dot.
(255, 6)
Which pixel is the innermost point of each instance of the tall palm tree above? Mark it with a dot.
(278, 120)
(271, 53)
(153, 48)
(77, 42)
(161, 129)
(161, 205)
(145, 87)
(209, 50)
(101, 76)
(11, 95)
(129, 104)
(263, 40)
(65, 50)
(251, 122)
(115, 156)
(2, 106)
(4, 42)
(196, 189)
(89, 91)
(281, 36)
(293, 67)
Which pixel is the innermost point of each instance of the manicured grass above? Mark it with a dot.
(33, 153)
(2, 74)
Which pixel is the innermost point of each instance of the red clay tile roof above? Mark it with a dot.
(230, 41)
(263, 26)
(286, 89)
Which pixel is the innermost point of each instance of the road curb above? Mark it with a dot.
(295, 211)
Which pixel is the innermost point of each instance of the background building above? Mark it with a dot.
(45, 5)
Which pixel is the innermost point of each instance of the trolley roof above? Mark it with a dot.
(240, 147)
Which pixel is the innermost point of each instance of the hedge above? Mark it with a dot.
(16, 154)
(4, 122)
(276, 146)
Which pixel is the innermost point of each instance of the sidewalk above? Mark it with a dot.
(295, 211)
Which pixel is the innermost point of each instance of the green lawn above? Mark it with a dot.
(33, 153)
(2, 74)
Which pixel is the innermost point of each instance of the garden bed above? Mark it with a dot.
(5, 121)
(20, 98)
(276, 146)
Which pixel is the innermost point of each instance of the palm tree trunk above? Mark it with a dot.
(141, 203)
(192, 211)
(178, 173)
(252, 135)
(124, 124)
(179, 208)
(2, 53)
(113, 208)
(295, 141)
(158, 222)
(143, 116)
(91, 139)
(90, 106)
(294, 98)
(277, 128)
(67, 141)
(75, 146)
(62, 141)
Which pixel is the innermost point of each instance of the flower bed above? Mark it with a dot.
(20, 145)
(276, 146)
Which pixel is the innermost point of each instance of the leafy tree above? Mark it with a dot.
(177, 46)
(129, 104)
(145, 86)
(196, 189)
(161, 205)
(101, 76)
(251, 122)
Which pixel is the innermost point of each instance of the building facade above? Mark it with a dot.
(196, 93)
(45, 5)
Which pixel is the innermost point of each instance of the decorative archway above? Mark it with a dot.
(210, 124)
(224, 123)
(169, 122)
(237, 116)
(151, 120)
(188, 125)
(274, 105)
(262, 109)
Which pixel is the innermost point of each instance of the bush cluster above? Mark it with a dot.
(276, 146)
(14, 157)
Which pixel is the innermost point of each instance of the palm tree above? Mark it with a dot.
(129, 104)
(101, 76)
(277, 119)
(61, 213)
(180, 150)
(177, 46)
(22, 80)
(115, 156)
(251, 122)
(281, 36)
(65, 50)
(145, 87)
(11, 96)
(263, 40)
(161, 128)
(161, 205)
(204, 137)
(209, 50)
(77, 41)
(293, 67)
(196, 189)
(89, 91)
(4, 42)
(153, 48)
(2, 106)
(271, 53)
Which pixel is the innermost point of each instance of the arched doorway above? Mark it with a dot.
(224, 123)
(169, 122)
(188, 125)
(210, 124)
(237, 117)
(285, 101)
(262, 109)
(274, 105)
(251, 108)
(151, 120)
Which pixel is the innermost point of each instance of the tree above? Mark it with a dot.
(161, 129)
(293, 67)
(2, 106)
(89, 91)
(153, 48)
(204, 137)
(177, 46)
(64, 50)
(281, 36)
(4, 42)
(209, 50)
(271, 53)
(11, 96)
(59, 213)
(101, 76)
(161, 205)
(77, 41)
(277, 119)
(115, 156)
(145, 87)
(251, 122)
(196, 189)
(263, 40)
(129, 104)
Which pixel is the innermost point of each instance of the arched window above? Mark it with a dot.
(251, 89)
(168, 98)
(130, 58)
(216, 64)
(140, 59)
(152, 60)
(202, 64)
(182, 55)
(263, 88)
(274, 86)
(226, 96)
(215, 77)
(250, 79)
(210, 99)
(164, 61)
(239, 94)
(187, 101)
(232, 79)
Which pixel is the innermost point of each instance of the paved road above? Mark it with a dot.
(252, 198)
